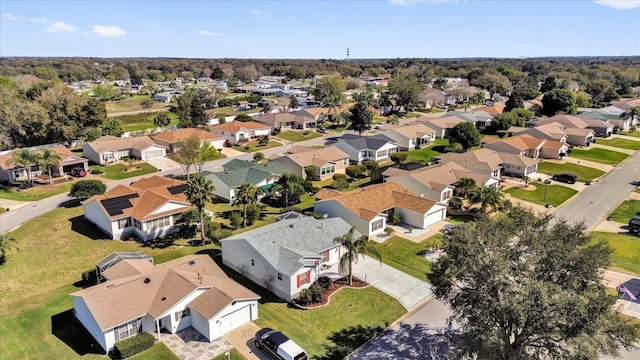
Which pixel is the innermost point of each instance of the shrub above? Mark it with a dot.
(325, 282)
(310, 171)
(395, 219)
(305, 297)
(339, 184)
(317, 293)
(228, 143)
(339, 176)
(133, 345)
(146, 103)
(96, 171)
(399, 157)
(236, 219)
(253, 213)
(90, 277)
(84, 189)
(370, 165)
(244, 118)
(263, 141)
(24, 185)
(306, 132)
(502, 133)
(454, 147)
(354, 171)
(389, 230)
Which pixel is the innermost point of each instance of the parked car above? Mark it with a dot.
(565, 178)
(78, 172)
(634, 225)
(322, 130)
(278, 346)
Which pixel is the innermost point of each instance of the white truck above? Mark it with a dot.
(278, 346)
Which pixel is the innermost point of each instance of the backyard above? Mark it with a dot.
(143, 121)
(425, 155)
(599, 155)
(625, 211)
(621, 143)
(626, 251)
(555, 194)
(133, 103)
(407, 256)
(584, 173)
(299, 135)
(123, 171)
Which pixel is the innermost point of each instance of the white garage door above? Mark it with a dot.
(152, 154)
(236, 319)
(433, 217)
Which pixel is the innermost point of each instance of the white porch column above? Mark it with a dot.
(158, 328)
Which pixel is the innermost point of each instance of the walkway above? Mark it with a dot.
(163, 164)
(189, 344)
(406, 288)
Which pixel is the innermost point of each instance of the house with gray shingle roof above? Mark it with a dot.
(287, 256)
(237, 172)
(361, 148)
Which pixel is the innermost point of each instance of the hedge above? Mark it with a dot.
(133, 345)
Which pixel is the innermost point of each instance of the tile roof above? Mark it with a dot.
(290, 244)
(237, 172)
(235, 126)
(368, 202)
(183, 134)
(118, 301)
(115, 143)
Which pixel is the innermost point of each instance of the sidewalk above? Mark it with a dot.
(625, 305)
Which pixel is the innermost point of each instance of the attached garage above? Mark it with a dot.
(236, 318)
(152, 152)
(437, 213)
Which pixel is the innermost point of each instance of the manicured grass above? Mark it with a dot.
(144, 126)
(38, 192)
(132, 104)
(621, 143)
(348, 307)
(584, 173)
(599, 155)
(626, 251)
(460, 219)
(405, 255)
(425, 155)
(117, 171)
(625, 211)
(634, 134)
(159, 351)
(298, 135)
(235, 355)
(556, 194)
(253, 146)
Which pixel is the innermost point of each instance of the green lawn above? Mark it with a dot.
(626, 251)
(425, 155)
(144, 126)
(634, 134)
(38, 192)
(235, 355)
(599, 155)
(556, 194)
(133, 104)
(253, 146)
(621, 143)
(405, 255)
(625, 211)
(159, 351)
(584, 173)
(298, 135)
(143, 121)
(460, 219)
(120, 171)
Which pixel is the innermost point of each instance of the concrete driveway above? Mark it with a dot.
(409, 290)
(242, 340)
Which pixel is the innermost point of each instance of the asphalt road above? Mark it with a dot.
(12, 219)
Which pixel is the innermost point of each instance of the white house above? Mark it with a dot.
(441, 125)
(108, 149)
(288, 255)
(146, 209)
(169, 139)
(369, 208)
(238, 132)
(361, 148)
(409, 137)
(141, 297)
(10, 172)
(237, 172)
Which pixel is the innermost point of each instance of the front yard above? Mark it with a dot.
(556, 194)
(625, 211)
(122, 171)
(599, 155)
(299, 135)
(38, 192)
(621, 143)
(407, 256)
(425, 155)
(626, 251)
(252, 146)
(584, 173)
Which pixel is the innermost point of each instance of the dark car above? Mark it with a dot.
(565, 178)
(278, 346)
(634, 225)
(78, 172)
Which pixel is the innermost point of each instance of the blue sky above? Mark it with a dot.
(320, 29)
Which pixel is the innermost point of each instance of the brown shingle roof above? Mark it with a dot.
(127, 267)
(183, 134)
(60, 150)
(318, 157)
(114, 143)
(236, 126)
(413, 131)
(274, 119)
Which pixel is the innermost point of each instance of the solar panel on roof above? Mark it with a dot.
(177, 189)
(115, 206)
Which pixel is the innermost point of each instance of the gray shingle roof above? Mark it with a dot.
(237, 172)
(291, 244)
(365, 142)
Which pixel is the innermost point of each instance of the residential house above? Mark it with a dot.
(557, 132)
(435, 182)
(287, 121)
(139, 296)
(289, 255)
(11, 173)
(492, 163)
(611, 114)
(491, 110)
(361, 148)
(315, 113)
(242, 105)
(146, 209)
(409, 137)
(600, 126)
(327, 162)
(237, 172)
(238, 132)
(108, 149)
(440, 125)
(479, 118)
(527, 145)
(369, 208)
(170, 139)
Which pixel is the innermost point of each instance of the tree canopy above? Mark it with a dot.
(406, 89)
(465, 134)
(360, 118)
(558, 101)
(85, 189)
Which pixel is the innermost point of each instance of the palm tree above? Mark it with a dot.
(25, 158)
(7, 243)
(465, 184)
(489, 197)
(246, 194)
(632, 113)
(455, 203)
(333, 102)
(199, 192)
(47, 160)
(258, 157)
(353, 248)
(288, 186)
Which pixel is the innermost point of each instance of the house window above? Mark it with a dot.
(303, 278)
(446, 195)
(253, 263)
(127, 330)
(382, 153)
(345, 161)
(107, 156)
(159, 223)
(328, 170)
(377, 225)
(137, 224)
(123, 223)
(280, 276)
(181, 314)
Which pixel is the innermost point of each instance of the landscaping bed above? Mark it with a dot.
(599, 155)
(584, 173)
(329, 289)
(556, 194)
(252, 146)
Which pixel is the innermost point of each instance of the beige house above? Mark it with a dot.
(492, 163)
(238, 132)
(108, 149)
(10, 172)
(327, 162)
(170, 139)
(409, 137)
(287, 121)
(440, 125)
(527, 145)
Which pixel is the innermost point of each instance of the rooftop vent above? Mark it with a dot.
(291, 225)
(164, 298)
(147, 280)
(191, 262)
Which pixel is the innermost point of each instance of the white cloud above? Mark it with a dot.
(260, 12)
(108, 31)
(11, 17)
(41, 19)
(209, 33)
(411, 2)
(619, 4)
(60, 27)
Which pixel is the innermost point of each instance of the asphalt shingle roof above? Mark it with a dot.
(365, 142)
(237, 172)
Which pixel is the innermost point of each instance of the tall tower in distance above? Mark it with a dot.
(347, 55)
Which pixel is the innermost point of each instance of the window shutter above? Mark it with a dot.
(309, 277)
(327, 256)
(298, 280)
